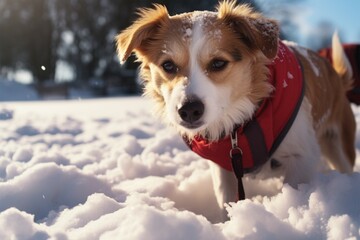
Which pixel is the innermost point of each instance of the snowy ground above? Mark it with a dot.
(108, 169)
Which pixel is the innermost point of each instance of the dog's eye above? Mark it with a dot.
(218, 65)
(169, 67)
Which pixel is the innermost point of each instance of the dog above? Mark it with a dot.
(242, 98)
(352, 52)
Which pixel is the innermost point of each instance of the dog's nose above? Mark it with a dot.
(191, 111)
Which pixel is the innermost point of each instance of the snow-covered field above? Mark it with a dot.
(107, 169)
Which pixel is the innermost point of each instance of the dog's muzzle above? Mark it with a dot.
(191, 113)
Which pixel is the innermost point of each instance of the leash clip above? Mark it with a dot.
(235, 149)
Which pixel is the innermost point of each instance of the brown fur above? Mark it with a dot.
(155, 29)
(327, 95)
(248, 43)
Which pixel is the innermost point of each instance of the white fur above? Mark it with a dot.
(221, 114)
(299, 155)
(341, 62)
(225, 187)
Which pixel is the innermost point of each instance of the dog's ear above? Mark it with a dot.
(134, 38)
(254, 29)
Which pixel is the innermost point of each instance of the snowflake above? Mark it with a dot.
(285, 84)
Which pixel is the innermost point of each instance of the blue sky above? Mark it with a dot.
(307, 14)
(345, 15)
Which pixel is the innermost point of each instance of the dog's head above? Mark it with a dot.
(206, 70)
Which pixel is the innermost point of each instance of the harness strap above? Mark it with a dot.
(259, 152)
(237, 164)
(236, 161)
(255, 136)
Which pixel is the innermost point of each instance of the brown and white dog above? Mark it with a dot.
(209, 72)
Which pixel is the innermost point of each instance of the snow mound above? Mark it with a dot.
(107, 169)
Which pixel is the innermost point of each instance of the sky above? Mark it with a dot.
(345, 15)
(307, 14)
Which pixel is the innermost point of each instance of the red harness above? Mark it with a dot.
(260, 137)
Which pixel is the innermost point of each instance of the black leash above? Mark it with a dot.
(237, 164)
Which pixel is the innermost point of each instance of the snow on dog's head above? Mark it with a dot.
(205, 70)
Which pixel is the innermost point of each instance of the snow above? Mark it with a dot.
(289, 75)
(188, 33)
(285, 84)
(202, 20)
(108, 169)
